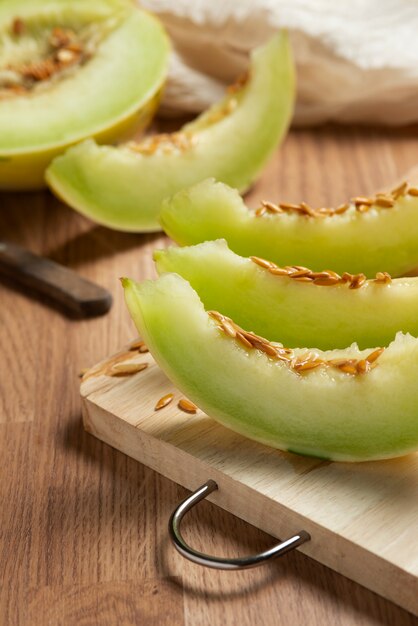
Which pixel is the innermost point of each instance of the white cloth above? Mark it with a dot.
(357, 60)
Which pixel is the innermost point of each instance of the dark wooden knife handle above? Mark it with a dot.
(74, 293)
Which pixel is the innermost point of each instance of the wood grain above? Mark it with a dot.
(362, 518)
(151, 602)
(65, 287)
(76, 515)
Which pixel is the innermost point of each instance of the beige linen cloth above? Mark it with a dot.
(357, 60)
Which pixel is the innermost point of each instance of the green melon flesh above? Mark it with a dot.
(295, 313)
(123, 189)
(324, 412)
(375, 241)
(107, 96)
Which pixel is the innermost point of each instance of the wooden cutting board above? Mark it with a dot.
(362, 518)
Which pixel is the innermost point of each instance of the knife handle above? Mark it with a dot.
(74, 293)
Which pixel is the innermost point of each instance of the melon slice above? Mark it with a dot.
(123, 187)
(356, 237)
(71, 69)
(351, 405)
(293, 304)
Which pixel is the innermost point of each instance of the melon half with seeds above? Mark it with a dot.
(366, 235)
(343, 405)
(293, 304)
(123, 187)
(71, 69)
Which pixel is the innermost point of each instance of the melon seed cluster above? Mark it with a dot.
(230, 103)
(180, 142)
(361, 204)
(167, 143)
(327, 278)
(65, 50)
(302, 363)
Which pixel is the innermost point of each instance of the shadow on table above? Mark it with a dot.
(42, 224)
(98, 242)
(292, 574)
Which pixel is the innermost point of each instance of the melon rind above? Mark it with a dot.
(295, 313)
(376, 241)
(123, 189)
(324, 412)
(115, 93)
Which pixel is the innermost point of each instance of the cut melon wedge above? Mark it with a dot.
(71, 69)
(123, 187)
(289, 306)
(322, 412)
(369, 241)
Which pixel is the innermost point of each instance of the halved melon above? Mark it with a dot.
(71, 69)
(381, 235)
(293, 304)
(267, 393)
(123, 187)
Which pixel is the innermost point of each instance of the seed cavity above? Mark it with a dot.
(357, 281)
(64, 50)
(230, 103)
(239, 83)
(306, 362)
(361, 204)
(187, 406)
(270, 207)
(326, 278)
(400, 190)
(164, 401)
(371, 358)
(164, 143)
(383, 278)
(384, 201)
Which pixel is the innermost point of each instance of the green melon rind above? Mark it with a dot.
(126, 72)
(323, 413)
(375, 241)
(123, 189)
(294, 313)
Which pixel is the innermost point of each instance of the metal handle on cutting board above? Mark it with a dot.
(216, 562)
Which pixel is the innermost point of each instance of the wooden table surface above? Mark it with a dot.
(84, 528)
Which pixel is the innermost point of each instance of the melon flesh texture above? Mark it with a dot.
(375, 241)
(123, 189)
(111, 95)
(324, 412)
(295, 313)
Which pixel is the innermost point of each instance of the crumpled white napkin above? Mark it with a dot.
(357, 60)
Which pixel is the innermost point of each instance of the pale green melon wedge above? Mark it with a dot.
(107, 85)
(123, 187)
(295, 312)
(322, 412)
(380, 239)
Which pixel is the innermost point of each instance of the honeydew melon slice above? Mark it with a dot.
(323, 412)
(123, 187)
(71, 69)
(295, 310)
(379, 239)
